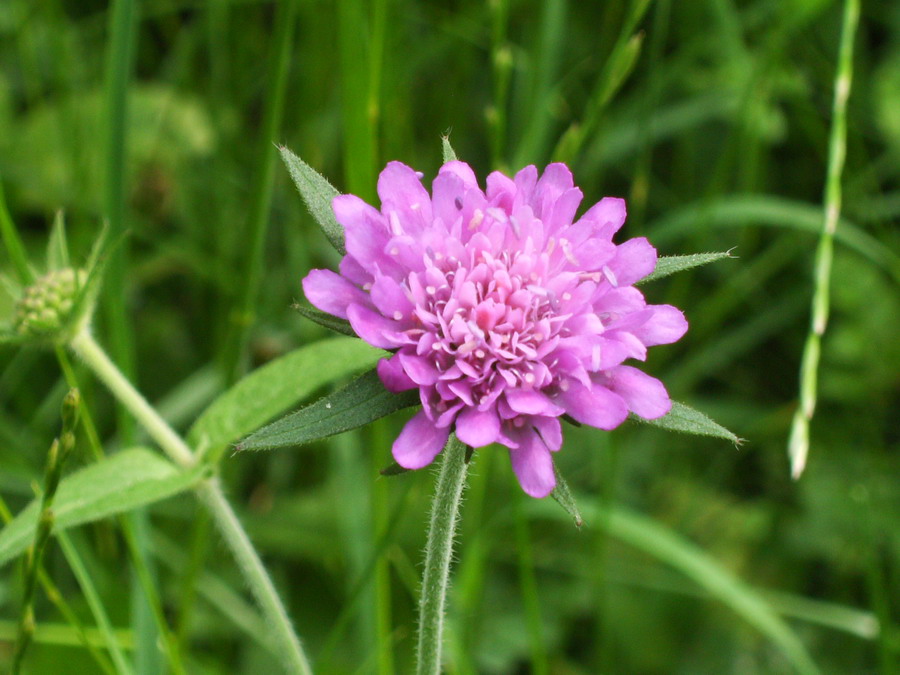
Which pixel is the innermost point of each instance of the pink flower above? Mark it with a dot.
(501, 311)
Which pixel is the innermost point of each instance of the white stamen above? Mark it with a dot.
(398, 315)
(395, 251)
(477, 218)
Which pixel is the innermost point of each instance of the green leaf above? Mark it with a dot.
(317, 194)
(670, 264)
(671, 548)
(362, 401)
(449, 152)
(127, 480)
(57, 249)
(330, 322)
(564, 498)
(276, 386)
(687, 420)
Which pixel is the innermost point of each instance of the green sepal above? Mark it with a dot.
(361, 401)
(564, 498)
(448, 151)
(330, 322)
(685, 419)
(670, 264)
(317, 194)
(394, 469)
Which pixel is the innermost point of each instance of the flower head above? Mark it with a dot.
(501, 311)
(46, 308)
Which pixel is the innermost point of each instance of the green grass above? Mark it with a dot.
(713, 119)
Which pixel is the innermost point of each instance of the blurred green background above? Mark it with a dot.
(710, 117)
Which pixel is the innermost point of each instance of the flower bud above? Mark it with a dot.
(45, 308)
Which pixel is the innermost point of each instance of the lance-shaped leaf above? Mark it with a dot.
(277, 386)
(362, 401)
(317, 194)
(669, 264)
(687, 420)
(563, 496)
(127, 480)
(330, 322)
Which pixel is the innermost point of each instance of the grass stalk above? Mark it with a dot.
(798, 444)
(254, 242)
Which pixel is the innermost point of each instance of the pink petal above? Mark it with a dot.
(607, 216)
(390, 298)
(478, 428)
(665, 326)
(401, 190)
(420, 369)
(550, 431)
(393, 376)
(533, 466)
(634, 260)
(555, 180)
(448, 191)
(645, 395)
(500, 190)
(463, 171)
(531, 402)
(371, 326)
(332, 293)
(419, 442)
(598, 406)
(365, 232)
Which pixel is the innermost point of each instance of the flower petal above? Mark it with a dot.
(478, 428)
(531, 402)
(332, 293)
(532, 464)
(372, 326)
(645, 395)
(634, 260)
(607, 216)
(665, 326)
(419, 442)
(597, 406)
(401, 190)
(393, 376)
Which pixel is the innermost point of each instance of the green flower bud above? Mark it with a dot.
(45, 309)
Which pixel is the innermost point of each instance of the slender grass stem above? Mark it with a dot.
(254, 243)
(13, 242)
(119, 61)
(529, 588)
(438, 553)
(93, 600)
(798, 445)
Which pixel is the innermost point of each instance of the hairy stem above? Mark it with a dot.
(438, 552)
(209, 492)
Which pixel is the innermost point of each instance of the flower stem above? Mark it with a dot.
(209, 492)
(438, 551)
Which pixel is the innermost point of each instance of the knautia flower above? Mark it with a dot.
(504, 313)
